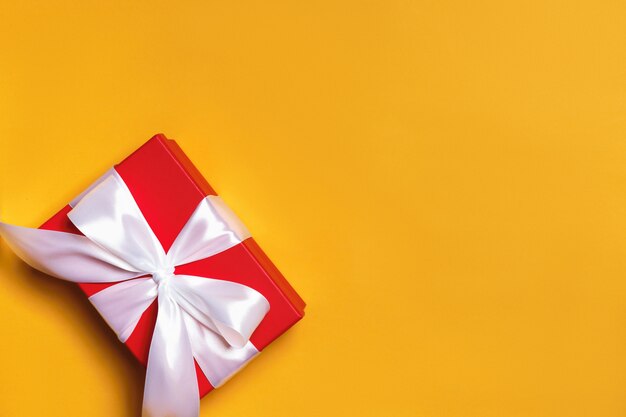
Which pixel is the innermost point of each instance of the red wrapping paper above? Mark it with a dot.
(167, 188)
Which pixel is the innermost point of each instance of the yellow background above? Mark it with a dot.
(444, 182)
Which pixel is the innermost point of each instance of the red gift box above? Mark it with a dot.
(167, 188)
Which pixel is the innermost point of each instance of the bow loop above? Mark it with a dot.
(109, 216)
(211, 229)
(123, 304)
(232, 310)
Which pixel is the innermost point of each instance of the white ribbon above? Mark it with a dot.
(208, 319)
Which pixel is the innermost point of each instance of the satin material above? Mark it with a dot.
(207, 319)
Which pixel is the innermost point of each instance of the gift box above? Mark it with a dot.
(167, 189)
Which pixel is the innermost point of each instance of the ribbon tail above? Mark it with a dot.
(171, 388)
(65, 255)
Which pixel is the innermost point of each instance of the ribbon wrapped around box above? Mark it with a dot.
(171, 269)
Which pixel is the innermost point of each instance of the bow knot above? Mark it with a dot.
(162, 275)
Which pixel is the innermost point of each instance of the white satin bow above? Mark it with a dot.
(207, 319)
